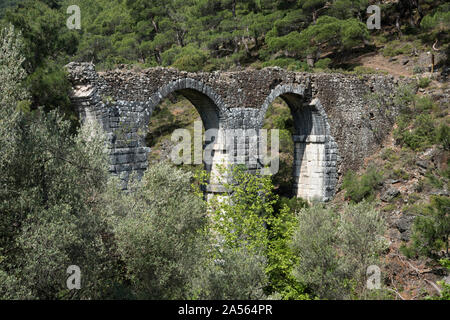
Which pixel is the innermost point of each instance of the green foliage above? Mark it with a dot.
(390, 155)
(241, 218)
(326, 33)
(247, 217)
(287, 63)
(7, 4)
(437, 24)
(12, 73)
(158, 229)
(358, 188)
(364, 70)
(334, 249)
(47, 42)
(416, 125)
(422, 134)
(51, 212)
(443, 136)
(281, 258)
(231, 274)
(424, 82)
(323, 63)
(190, 59)
(445, 292)
(431, 229)
(44, 30)
(50, 87)
(395, 48)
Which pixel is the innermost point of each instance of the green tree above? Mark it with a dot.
(158, 228)
(328, 33)
(50, 215)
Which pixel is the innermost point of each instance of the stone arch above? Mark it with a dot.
(209, 105)
(212, 111)
(315, 151)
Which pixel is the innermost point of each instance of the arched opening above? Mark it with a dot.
(314, 152)
(279, 116)
(174, 108)
(309, 148)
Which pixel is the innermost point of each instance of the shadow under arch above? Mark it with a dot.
(315, 151)
(209, 105)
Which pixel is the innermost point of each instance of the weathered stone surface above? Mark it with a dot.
(336, 123)
(389, 194)
(403, 225)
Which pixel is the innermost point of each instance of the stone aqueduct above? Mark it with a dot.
(337, 123)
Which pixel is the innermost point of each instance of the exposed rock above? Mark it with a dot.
(404, 226)
(443, 193)
(389, 194)
(391, 181)
(423, 164)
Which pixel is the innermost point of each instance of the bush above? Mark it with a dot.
(422, 134)
(443, 136)
(50, 197)
(334, 250)
(232, 274)
(395, 48)
(190, 59)
(431, 229)
(251, 216)
(445, 292)
(158, 229)
(322, 63)
(361, 187)
(280, 256)
(424, 82)
(364, 70)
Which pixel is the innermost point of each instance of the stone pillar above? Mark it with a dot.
(309, 167)
(233, 147)
(218, 165)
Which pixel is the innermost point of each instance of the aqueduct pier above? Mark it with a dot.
(336, 118)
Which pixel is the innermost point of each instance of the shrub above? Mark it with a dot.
(390, 155)
(361, 187)
(158, 229)
(280, 257)
(322, 63)
(190, 59)
(396, 48)
(417, 70)
(364, 70)
(422, 134)
(431, 229)
(443, 136)
(334, 250)
(424, 82)
(232, 273)
(252, 217)
(445, 292)
(287, 63)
